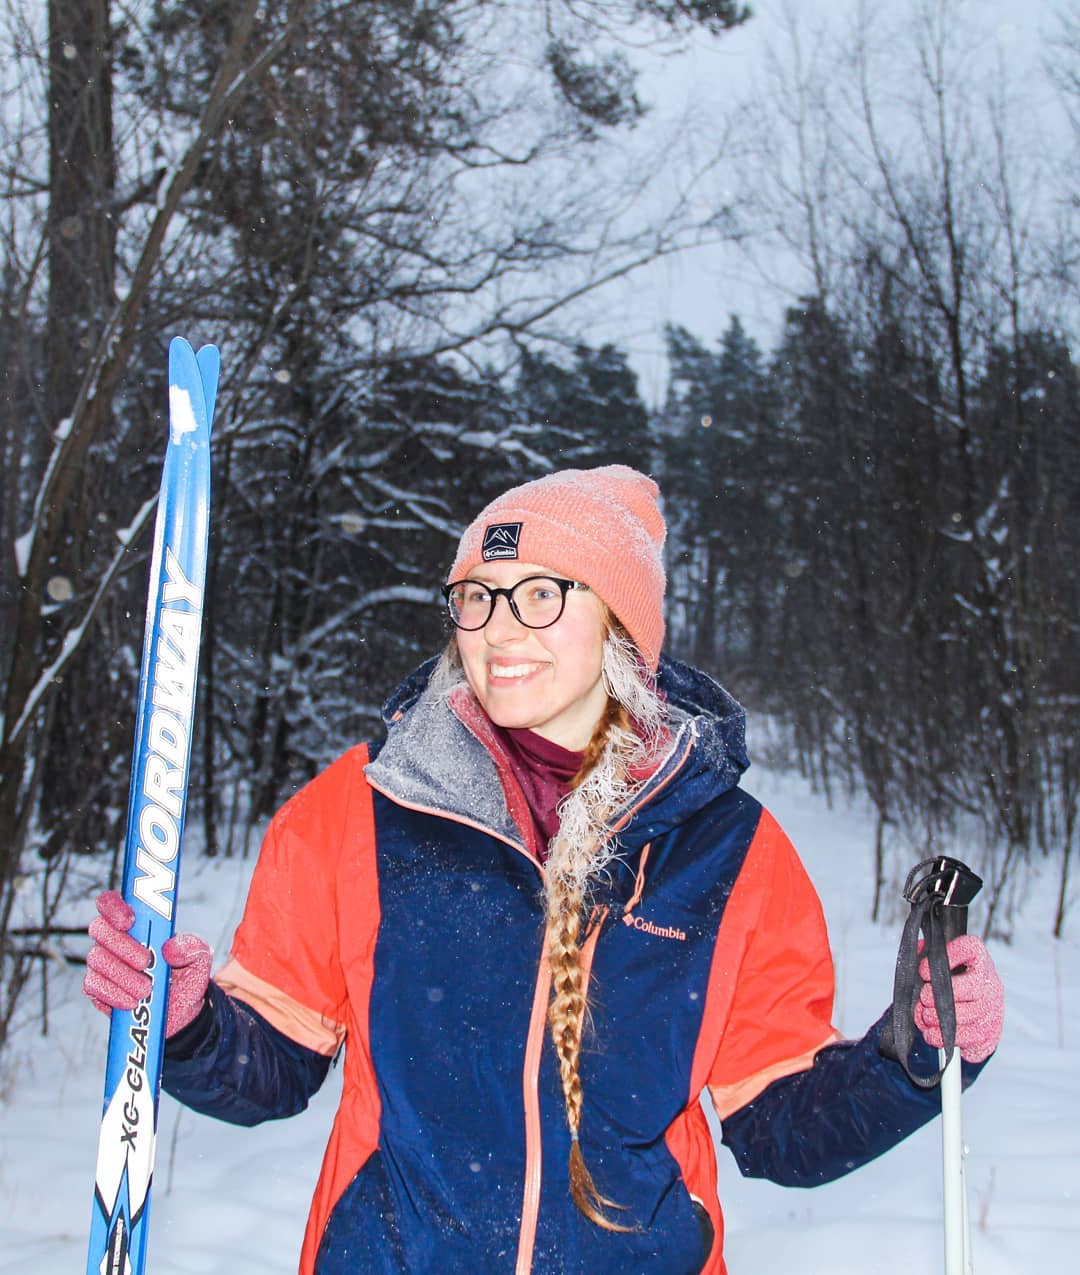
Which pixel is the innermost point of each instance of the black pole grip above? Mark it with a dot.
(953, 922)
(952, 885)
(939, 891)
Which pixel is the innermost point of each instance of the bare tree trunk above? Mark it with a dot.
(80, 231)
(80, 238)
(1070, 791)
(39, 656)
(80, 246)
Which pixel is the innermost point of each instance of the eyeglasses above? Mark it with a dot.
(537, 601)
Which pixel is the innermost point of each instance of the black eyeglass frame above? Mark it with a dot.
(564, 587)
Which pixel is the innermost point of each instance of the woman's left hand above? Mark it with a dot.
(979, 996)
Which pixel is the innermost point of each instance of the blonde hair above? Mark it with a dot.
(580, 855)
(613, 768)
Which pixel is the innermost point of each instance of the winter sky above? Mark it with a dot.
(702, 289)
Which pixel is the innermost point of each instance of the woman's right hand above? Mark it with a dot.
(116, 966)
(978, 999)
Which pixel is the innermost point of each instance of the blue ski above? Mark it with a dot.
(156, 809)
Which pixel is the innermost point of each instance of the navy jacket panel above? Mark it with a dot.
(240, 1068)
(850, 1107)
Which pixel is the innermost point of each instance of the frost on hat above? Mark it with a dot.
(601, 526)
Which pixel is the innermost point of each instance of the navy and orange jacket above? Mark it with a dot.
(397, 908)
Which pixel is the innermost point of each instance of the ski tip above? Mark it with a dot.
(193, 386)
(179, 345)
(209, 361)
(188, 418)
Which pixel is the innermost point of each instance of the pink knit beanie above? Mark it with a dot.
(600, 526)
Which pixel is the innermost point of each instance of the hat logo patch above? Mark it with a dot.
(501, 541)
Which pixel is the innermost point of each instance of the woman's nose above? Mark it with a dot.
(503, 623)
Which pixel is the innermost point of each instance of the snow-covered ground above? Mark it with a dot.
(233, 1201)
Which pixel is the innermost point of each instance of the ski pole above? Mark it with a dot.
(939, 891)
(951, 884)
(157, 804)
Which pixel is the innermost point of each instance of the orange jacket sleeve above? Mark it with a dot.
(771, 987)
(286, 958)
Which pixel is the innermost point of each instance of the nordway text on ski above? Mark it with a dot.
(163, 781)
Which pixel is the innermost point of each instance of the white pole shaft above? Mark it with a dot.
(954, 1194)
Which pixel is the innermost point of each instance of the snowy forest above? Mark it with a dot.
(388, 215)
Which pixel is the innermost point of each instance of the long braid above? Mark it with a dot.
(566, 1014)
(579, 853)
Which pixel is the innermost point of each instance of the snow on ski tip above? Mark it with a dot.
(181, 413)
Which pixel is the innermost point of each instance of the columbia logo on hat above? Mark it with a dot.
(501, 541)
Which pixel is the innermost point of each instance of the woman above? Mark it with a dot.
(543, 918)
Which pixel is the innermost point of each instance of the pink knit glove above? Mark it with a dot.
(116, 965)
(979, 996)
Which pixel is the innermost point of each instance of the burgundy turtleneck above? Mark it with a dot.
(544, 771)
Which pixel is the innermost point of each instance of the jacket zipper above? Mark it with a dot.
(534, 1051)
(530, 1205)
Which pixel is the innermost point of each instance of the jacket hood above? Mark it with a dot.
(432, 760)
(720, 719)
(706, 757)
